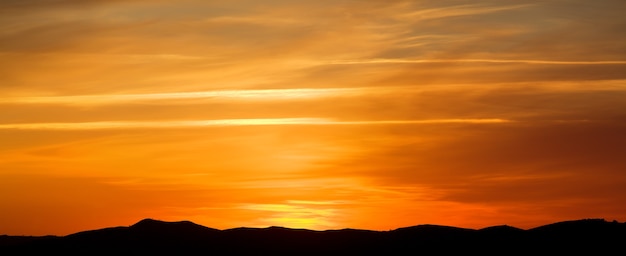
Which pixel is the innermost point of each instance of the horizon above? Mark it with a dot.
(309, 114)
(309, 229)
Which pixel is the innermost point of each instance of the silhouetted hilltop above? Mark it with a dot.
(502, 229)
(154, 236)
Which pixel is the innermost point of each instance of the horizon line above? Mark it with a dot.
(323, 230)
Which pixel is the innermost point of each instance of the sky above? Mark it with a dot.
(310, 114)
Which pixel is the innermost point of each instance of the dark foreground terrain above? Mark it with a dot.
(587, 236)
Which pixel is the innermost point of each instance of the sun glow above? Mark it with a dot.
(295, 215)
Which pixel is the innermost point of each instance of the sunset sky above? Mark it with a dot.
(310, 114)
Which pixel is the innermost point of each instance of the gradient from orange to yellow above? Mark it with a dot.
(310, 114)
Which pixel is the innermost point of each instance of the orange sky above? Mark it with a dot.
(310, 114)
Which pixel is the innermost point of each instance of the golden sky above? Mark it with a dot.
(310, 114)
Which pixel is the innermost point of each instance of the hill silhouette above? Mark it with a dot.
(595, 236)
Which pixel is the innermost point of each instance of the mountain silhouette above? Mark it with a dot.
(151, 236)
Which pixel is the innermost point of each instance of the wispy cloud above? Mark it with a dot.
(308, 202)
(163, 124)
(460, 10)
(265, 95)
(232, 122)
(522, 61)
(431, 121)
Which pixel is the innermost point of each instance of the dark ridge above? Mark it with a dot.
(445, 239)
(501, 229)
(148, 222)
(149, 236)
(580, 233)
(6, 240)
(430, 228)
(423, 235)
(158, 226)
(572, 225)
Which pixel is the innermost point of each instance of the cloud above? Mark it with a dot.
(117, 48)
(163, 124)
(547, 62)
(259, 95)
(510, 34)
(538, 162)
(521, 101)
(459, 10)
(33, 4)
(514, 169)
(230, 122)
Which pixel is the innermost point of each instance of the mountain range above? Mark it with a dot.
(150, 236)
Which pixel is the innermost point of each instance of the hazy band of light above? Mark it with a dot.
(428, 121)
(230, 122)
(264, 94)
(267, 94)
(409, 61)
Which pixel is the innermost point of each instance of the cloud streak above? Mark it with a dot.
(233, 122)
(262, 94)
(460, 10)
(416, 61)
